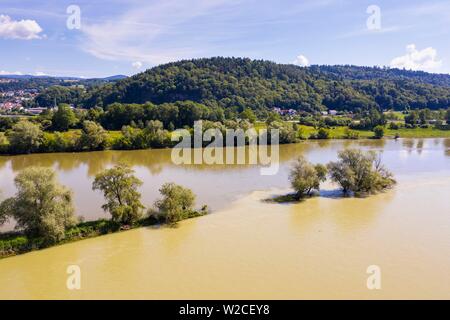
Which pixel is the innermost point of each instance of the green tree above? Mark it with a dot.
(286, 132)
(25, 137)
(412, 118)
(378, 132)
(119, 187)
(41, 207)
(63, 118)
(177, 203)
(155, 134)
(273, 116)
(133, 138)
(322, 133)
(93, 136)
(3, 142)
(249, 115)
(351, 134)
(305, 177)
(360, 173)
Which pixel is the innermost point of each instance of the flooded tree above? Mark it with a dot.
(119, 187)
(306, 177)
(176, 204)
(360, 172)
(41, 207)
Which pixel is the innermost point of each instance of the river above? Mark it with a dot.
(248, 248)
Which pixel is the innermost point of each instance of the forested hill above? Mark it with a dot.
(238, 82)
(349, 72)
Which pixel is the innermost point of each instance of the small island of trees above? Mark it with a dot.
(357, 173)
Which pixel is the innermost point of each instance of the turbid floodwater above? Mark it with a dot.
(248, 248)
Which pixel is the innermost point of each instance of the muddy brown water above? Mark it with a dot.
(248, 248)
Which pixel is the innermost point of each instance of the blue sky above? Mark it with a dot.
(126, 37)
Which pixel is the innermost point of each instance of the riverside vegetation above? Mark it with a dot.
(146, 126)
(139, 112)
(44, 211)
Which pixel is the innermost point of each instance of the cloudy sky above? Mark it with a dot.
(80, 38)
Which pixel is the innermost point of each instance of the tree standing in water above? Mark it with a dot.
(305, 177)
(123, 201)
(360, 172)
(41, 207)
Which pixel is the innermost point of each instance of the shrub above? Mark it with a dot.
(322, 133)
(351, 134)
(378, 132)
(394, 126)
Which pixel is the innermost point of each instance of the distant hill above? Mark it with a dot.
(241, 82)
(114, 78)
(349, 72)
(20, 82)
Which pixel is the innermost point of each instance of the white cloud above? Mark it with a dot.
(414, 59)
(137, 64)
(17, 73)
(301, 60)
(40, 74)
(19, 29)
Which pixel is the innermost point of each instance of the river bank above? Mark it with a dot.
(114, 139)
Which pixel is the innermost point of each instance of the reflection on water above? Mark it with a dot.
(251, 249)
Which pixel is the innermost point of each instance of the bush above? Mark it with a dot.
(394, 126)
(322, 133)
(351, 134)
(378, 132)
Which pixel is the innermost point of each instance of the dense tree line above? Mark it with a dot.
(237, 83)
